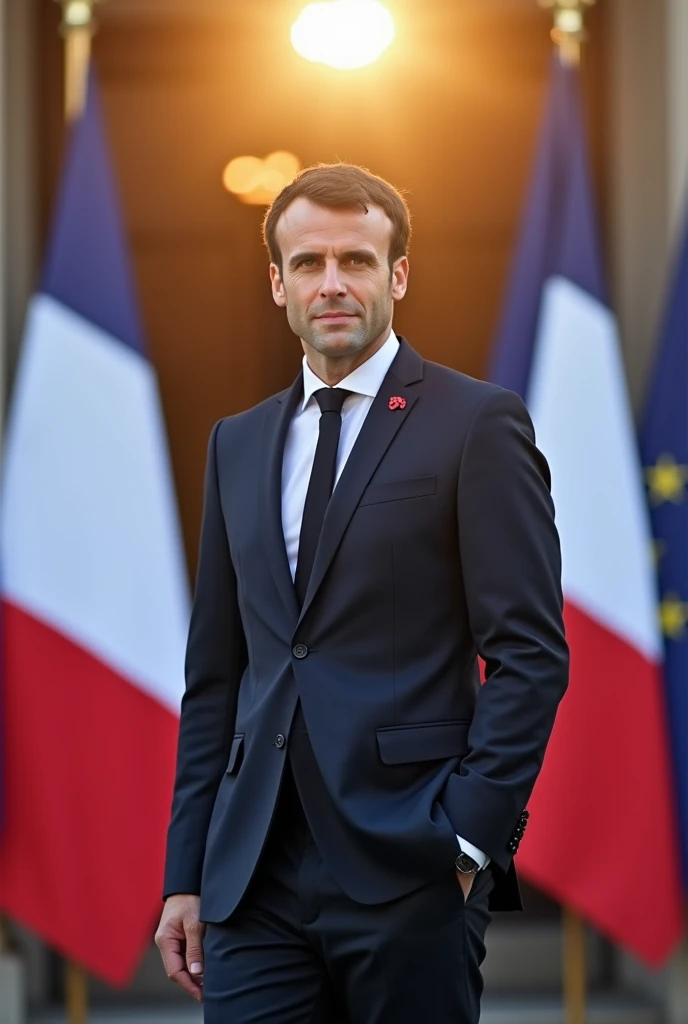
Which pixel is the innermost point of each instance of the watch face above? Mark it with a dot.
(466, 865)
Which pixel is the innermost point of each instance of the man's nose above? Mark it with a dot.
(332, 283)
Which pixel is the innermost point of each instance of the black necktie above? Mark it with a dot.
(321, 483)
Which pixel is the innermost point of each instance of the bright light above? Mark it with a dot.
(569, 21)
(77, 13)
(257, 181)
(343, 33)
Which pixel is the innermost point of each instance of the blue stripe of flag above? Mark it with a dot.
(87, 268)
(558, 235)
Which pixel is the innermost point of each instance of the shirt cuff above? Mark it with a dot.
(478, 856)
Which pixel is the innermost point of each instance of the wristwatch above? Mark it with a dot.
(466, 865)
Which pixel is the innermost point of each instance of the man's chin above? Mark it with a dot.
(337, 339)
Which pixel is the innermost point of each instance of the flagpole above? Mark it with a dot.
(5, 944)
(78, 26)
(568, 34)
(575, 968)
(76, 993)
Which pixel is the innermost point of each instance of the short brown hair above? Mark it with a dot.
(340, 186)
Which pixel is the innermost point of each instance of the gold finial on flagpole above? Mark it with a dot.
(569, 30)
(78, 26)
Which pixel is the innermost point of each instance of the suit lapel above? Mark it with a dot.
(377, 433)
(275, 432)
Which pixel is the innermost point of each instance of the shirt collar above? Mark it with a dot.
(366, 379)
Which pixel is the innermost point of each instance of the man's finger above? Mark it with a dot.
(175, 967)
(187, 983)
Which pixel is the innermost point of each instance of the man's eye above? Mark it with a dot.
(358, 260)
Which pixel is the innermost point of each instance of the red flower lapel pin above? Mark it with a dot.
(397, 402)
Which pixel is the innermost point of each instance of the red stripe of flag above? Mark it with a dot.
(89, 774)
(602, 803)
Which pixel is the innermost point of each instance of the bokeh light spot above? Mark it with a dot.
(344, 34)
(257, 181)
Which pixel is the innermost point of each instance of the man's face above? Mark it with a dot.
(336, 283)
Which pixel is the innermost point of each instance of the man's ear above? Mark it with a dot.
(277, 283)
(400, 272)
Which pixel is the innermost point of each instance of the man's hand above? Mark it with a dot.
(180, 940)
(466, 883)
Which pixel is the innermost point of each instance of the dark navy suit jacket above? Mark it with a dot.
(438, 545)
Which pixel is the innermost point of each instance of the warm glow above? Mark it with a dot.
(569, 20)
(285, 164)
(257, 181)
(77, 13)
(343, 33)
(243, 174)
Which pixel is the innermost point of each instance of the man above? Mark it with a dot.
(348, 798)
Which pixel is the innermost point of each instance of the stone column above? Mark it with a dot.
(648, 189)
(22, 957)
(21, 168)
(12, 982)
(677, 108)
(638, 177)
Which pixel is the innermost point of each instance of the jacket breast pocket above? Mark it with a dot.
(236, 754)
(397, 490)
(435, 741)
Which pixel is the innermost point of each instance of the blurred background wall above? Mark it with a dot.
(189, 84)
(450, 113)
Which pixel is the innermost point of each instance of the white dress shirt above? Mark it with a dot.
(299, 453)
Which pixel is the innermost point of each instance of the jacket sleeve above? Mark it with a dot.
(511, 566)
(216, 657)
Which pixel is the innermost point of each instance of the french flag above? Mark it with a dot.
(603, 810)
(94, 591)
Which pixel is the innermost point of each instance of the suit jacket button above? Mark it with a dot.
(280, 740)
(300, 651)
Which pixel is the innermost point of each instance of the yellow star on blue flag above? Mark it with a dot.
(666, 480)
(673, 614)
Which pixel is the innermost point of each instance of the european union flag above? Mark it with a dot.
(664, 446)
